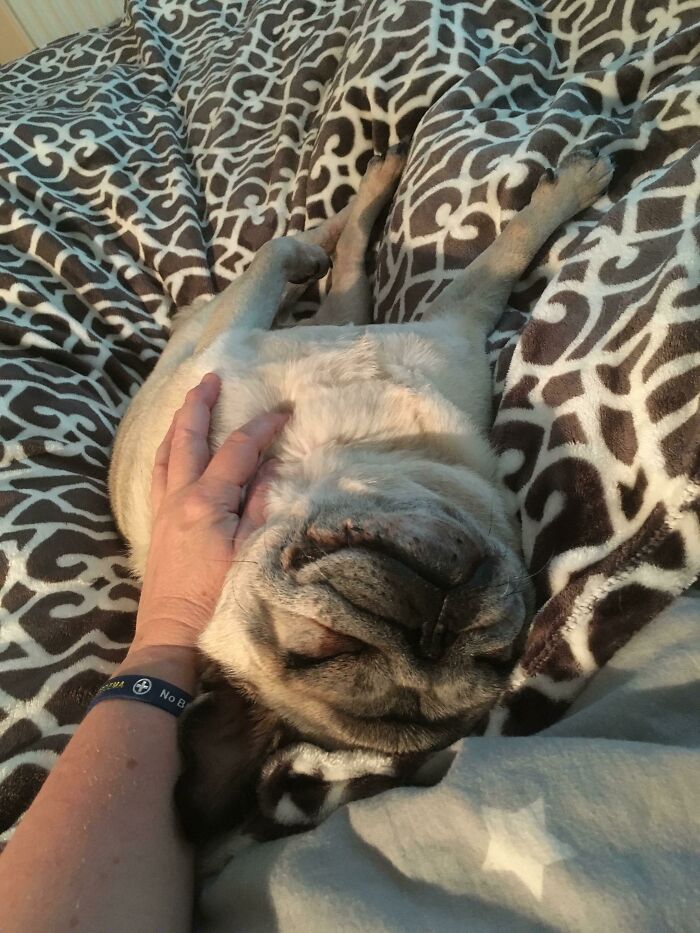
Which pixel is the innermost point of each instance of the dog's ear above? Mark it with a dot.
(225, 738)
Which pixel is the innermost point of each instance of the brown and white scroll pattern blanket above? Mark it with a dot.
(143, 165)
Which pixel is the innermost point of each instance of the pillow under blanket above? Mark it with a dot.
(142, 166)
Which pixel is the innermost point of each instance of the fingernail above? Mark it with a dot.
(210, 381)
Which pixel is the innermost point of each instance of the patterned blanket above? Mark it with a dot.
(142, 166)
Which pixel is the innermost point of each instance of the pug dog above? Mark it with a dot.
(383, 604)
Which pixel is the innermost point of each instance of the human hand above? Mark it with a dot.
(197, 530)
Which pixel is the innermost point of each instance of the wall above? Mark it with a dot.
(29, 24)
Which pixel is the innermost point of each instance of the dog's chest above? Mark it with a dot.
(345, 383)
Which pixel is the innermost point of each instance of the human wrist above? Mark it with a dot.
(176, 664)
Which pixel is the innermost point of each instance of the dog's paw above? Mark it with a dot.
(301, 261)
(384, 171)
(581, 177)
(311, 263)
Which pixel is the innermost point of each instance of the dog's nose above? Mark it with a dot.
(445, 557)
(401, 590)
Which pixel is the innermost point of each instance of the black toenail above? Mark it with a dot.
(400, 148)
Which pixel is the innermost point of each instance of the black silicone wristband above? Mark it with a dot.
(148, 690)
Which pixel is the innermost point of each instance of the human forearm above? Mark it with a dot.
(99, 849)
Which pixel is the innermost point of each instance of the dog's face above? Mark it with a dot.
(384, 621)
(385, 630)
(389, 622)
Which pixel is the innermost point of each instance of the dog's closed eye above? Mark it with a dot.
(306, 641)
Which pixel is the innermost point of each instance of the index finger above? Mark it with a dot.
(189, 446)
(236, 460)
(254, 512)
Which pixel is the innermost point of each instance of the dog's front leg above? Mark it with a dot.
(480, 292)
(252, 301)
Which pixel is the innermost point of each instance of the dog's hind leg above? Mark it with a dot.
(480, 292)
(350, 300)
